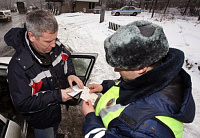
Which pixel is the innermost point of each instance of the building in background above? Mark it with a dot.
(86, 6)
(63, 6)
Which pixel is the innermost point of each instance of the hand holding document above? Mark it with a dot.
(85, 95)
(76, 91)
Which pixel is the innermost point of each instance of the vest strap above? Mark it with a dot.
(175, 125)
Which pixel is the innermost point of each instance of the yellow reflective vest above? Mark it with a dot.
(107, 109)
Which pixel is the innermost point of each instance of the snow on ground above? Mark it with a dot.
(82, 32)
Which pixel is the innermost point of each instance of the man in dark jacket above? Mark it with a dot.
(39, 72)
(152, 99)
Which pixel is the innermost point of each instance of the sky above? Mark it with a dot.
(82, 32)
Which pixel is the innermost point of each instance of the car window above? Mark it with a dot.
(1, 13)
(8, 13)
(131, 8)
(125, 8)
(83, 64)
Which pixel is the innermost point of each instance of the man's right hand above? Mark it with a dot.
(95, 88)
(65, 96)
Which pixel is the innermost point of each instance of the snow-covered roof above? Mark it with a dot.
(88, 0)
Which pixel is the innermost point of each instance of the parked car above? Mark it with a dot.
(11, 121)
(126, 10)
(97, 10)
(13, 9)
(5, 15)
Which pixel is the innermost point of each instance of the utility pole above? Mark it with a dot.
(103, 7)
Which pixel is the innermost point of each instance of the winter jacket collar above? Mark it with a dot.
(154, 80)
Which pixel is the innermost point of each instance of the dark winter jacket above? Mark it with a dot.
(35, 85)
(164, 90)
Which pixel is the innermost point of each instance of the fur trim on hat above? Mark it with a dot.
(136, 45)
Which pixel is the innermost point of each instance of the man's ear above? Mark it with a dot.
(31, 37)
(142, 70)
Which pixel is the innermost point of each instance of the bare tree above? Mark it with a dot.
(146, 4)
(186, 7)
(154, 7)
(140, 4)
(152, 3)
(166, 6)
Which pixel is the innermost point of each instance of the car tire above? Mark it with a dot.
(134, 14)
(117, 14)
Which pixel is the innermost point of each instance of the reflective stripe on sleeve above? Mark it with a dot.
(100, 132)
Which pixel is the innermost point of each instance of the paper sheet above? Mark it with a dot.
(85, 95)
(76, 91)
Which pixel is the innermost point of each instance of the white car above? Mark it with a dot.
(12, 124)
(5, 15)
(126, 10)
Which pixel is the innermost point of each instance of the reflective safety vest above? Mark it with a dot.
(175, 125)
(108, 110)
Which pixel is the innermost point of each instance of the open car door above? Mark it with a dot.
(83, 64)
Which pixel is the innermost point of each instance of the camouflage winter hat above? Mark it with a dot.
(136, 45)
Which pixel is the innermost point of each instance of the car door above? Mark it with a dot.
(124, 11)
(83, 63)
(9, 129)
(131, 10)
(11, 122)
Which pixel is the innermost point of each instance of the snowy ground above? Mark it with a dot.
(83, 33)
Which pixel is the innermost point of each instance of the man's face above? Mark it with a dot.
(45, 43)
(127, 74)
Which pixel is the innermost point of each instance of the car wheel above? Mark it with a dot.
(117, 14)
(134, 14)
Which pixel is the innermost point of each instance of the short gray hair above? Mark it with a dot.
(40, 21)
